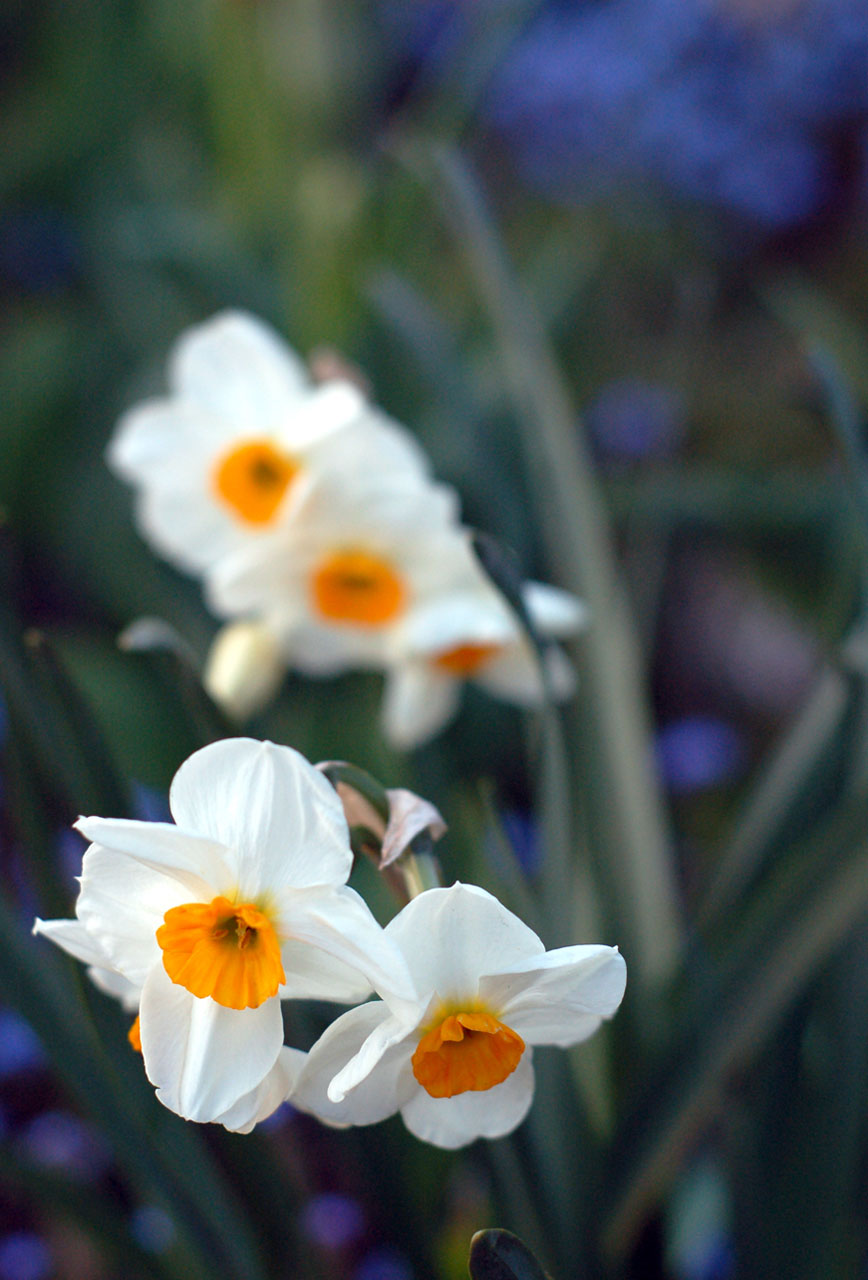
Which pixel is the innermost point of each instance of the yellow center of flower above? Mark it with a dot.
(222, 950)
(465, 659)
(466, 1051)
(252, 479)
(134, 1036)
(355, 587)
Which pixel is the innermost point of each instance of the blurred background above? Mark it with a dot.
(639, 224)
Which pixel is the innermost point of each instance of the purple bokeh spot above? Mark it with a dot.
(59, 1140)
(152, 1228)
(698, 752)
(332, 1221)
(24, 1256)
(20, 1047)
(383, 1264)
(632, 420)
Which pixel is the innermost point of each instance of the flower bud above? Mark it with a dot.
(243, 669)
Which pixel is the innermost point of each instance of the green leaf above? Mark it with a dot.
(496, 1254)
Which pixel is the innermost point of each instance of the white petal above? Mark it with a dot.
(385, 1035)
(261, 1102)
(122, 904)
(451, 936)
(554, 612)
(281, 821)
(559, 998)
(379, 1095)
(455, 617)
(73, 938)
(195, 861)
(237, 367)
(201, 1056)
(418, 701)
(313, 974)
(489, 1113)
(513, 675)
(339, 922)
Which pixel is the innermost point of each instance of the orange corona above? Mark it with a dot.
(466, 1051)
(355, 587)
(252, 478)
(465, 659)
(223, 950)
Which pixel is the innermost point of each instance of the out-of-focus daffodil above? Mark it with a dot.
(229, 453)
(472, 634)
(215, 918)
(457, 1064)
(342, 582)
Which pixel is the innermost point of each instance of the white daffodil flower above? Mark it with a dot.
(472, 634)
(340, 583)
(228, 454)
(214, 919)
(457, 1065)
(244, 1114)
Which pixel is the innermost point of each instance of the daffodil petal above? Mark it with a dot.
(313, 974)
(237, 367)
(122, 903)
(280, 820)
(491, 1113)
(561, 997)
(377, 1096)
(264, 1100)
(201, 1056)
(451, 936)
(73, 938)
(338, 921)
(554, 612)
(513, 675)
(417, 702)
(195, 861)
(384, 1033)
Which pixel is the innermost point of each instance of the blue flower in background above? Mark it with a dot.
(697, 752)
(631, 420)
(20, 1047)
(719, 101)
(25, 1256)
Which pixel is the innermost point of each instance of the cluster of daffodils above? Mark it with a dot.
(319, 532)
(203, 926)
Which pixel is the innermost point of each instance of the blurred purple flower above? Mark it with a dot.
(39, 250)
(332, 1221)
(522, 831)
(20, 1047)
(721, 101)
(24, 1256)
(59, 1140)
(383, 1264)
(699, 752)
(150, 804)
(152, 1228)
(631, 420)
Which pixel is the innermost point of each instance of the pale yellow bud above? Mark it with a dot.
(243, 669)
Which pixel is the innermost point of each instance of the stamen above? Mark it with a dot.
(134, 1036)
(222, 950)
(252, 480)
(466, 1051)
(358, 588)
(465, 659)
